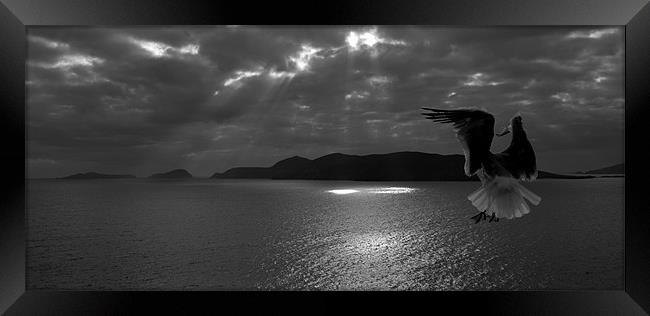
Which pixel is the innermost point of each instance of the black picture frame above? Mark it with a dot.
(15, 15)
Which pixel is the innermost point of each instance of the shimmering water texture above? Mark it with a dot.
(271, 234)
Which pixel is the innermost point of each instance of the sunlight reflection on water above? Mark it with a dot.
(391, 190)
(387, 190)
(347, 191)
(370, 243)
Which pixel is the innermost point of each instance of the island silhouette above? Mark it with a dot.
(95, 175)
(615, 169)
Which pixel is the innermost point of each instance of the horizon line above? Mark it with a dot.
(210, 175)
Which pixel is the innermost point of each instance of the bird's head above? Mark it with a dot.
(515, 122)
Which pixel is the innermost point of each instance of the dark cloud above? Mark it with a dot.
(144, 100)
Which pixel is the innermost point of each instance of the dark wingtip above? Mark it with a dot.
(428, 115)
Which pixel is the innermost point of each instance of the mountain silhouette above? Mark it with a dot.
(399, 166)
(174, 174)
(615, 169)
(95, 175)
(549, 175)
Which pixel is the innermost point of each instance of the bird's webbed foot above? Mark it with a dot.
(479, 217)
(482, 216)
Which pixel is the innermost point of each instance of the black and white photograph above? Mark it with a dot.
(336, 158)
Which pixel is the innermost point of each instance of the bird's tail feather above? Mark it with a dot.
(504, 196)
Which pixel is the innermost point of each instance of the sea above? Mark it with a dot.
(218, 234)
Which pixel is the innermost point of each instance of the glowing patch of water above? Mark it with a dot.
(391, 190)
(345, 191)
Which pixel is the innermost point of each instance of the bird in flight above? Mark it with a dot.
(500, 192)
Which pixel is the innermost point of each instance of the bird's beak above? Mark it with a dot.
(504, 132)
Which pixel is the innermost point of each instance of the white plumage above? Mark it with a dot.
(504, 196)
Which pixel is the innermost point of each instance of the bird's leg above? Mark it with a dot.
(494, 217)
(480, 216)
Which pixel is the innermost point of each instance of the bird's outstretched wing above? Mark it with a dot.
(474, 130)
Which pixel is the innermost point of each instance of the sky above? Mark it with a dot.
(150, 99)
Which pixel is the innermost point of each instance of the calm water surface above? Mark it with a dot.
(271, 234)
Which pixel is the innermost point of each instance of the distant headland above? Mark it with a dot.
(615, 169)
(95, 175)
